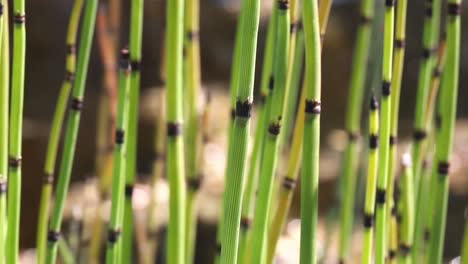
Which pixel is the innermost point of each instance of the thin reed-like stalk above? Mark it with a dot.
(72, 129)
(4, 110)
(55, 131)
(248, 202)
(250, 16)
(385, 132)
(175, 145)
(371, 183)
(448, 100)
(421, 210)
(398, 64)
(192, 81)
(428, 60)
(113, 249)
(271, 144)
(16, 131)
(311, 142)
(136, 34)
(464, 250)
(406, 233)
(353, 124)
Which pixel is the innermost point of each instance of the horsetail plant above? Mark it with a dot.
(114, 248)
(386, 105)
(56, 129)
(421, 208)
(192, 81)
(15, 132)
(353, 123)
(311, 142)
(72, 129)
(407, 214)
(448, 98)
(175, 144)
(430, 41)
(464, 250)
(263, 107)
(136, 31)
(271, 144)
(250, 16)
(4, 106)
(372, 167)
(398, 63)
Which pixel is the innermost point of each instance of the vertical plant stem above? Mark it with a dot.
(175, 144)
(271, 144)
(56, 129)
(421, 210)
(372, 168)
(4, 111)
(430, 40)
(114, 250)
(353, 123)
(311, 143)
(385, 132)
(233, 195)
(398, 64)
(192, 81)
(248, 202)
(136, 32)
(407, 214)
(464, 250)
(15, 131)
(72, 129)
(448, 97)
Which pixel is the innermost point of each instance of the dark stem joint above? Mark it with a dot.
(428, 11)
(53, 236)
(129, 190)
(365, 19)
(174, 129)
(271, 83)
(135, 65)
(399, 218)
(233, 113)
(391, 254)
(1, 9)
(245, 223)
(293, 27)
(274, 128)
(374, 104)
(438, 121)
(427, 234)
(373, 141)
(191, 35)
(71, 49)
(380, 196)
(289, 184)
(427, 53)
(392, 140)
(218, 248)
(244, 109)
(3, 186)
(159, 156)
(454, 9)
(313, 107)
(437, 72)
(124, 60)
(48, 179)
(14, 162)
(353, 136)
(77, 104)
(113, 235)
(19, 18)
(400, 43)
(405, 249)
(283, 4)
(368, 220)
(386, 88)
(419, 134)
(390, 3)
(193, 183)
(119, 136)
(443, 168)
(69, 76)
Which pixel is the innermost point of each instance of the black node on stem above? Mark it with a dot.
(405, 249)
(77, 104)
(283, 4)
(389, 3)
(313, 107)
(69, 76)
(391, 254)
(392, 140)
(274, 129)
(14, 162)
(119, 136)
(191, 35)
(454, 9)
(289, 184)
(48, 179)
(353, 136)
(113, 235)
(443, 168)
(365, 19)
(174, 129)
(135, 65)
(245, 223)
(419, 134)
(368, 220)
(400, 43)
(19, 19)
(386, 88)
(244, 109)
(193, 183)
(373, 141)
(71, 49)
(374, 103)
(129, 190)
(271, 83)
(380, 196)
(53, 236)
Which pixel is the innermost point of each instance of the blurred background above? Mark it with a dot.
(46, 30)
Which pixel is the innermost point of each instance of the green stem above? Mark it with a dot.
(407, 214)
(15, 133)
(353, 123)
(71, 133)
(136, 31)
(56, 129)
(311, 144)
(448, 100)
(464, 250)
